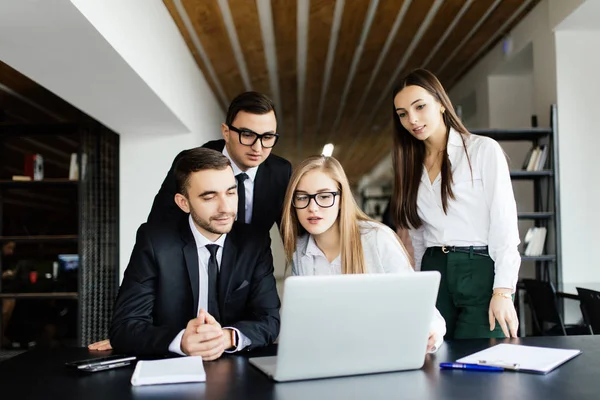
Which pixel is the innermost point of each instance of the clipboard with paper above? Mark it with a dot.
(538, 360)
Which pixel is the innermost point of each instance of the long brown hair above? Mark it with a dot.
(353, 260)
(409, 153)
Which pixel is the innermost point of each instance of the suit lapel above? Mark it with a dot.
(190, 253)
(227, 270)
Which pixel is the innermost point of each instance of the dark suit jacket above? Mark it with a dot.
(271, 182)
(160, 290)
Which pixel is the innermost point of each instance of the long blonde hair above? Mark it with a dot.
(353, 260)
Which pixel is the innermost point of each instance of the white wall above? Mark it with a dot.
(479, 117)
(510, 106)
(560, 10)
(577, 36)
(145, 35)
(52, 43)
(579, 140)
(534, 30)
(510, 100)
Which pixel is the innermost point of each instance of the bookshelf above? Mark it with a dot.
(531, 174)
(39, 238)
(57, 215)
(535, 215)
(545, 186)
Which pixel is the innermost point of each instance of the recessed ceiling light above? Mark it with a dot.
(327, 150)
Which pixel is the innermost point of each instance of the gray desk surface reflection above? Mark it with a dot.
(41, 374)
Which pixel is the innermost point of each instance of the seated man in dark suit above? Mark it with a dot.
(194, 286)
(249, 135)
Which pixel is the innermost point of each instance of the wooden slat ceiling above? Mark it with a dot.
(330, 65)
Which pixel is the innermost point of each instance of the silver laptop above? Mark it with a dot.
(352, 324)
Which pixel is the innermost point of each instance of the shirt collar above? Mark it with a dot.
(201, 240)
(455, 141)
(313, 250)
(236, 170)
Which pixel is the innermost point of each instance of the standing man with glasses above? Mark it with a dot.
(249, 135)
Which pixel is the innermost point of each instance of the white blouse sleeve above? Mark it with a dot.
(391, 253)
(418, 243)
(503, 236)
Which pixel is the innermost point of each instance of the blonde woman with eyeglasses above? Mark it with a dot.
(325, 233)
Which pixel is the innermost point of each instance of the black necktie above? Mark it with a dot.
(241, 214)
(213, 281)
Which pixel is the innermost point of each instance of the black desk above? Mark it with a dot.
(40, 374)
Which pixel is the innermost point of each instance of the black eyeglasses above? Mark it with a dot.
(248, 137)
(323, 199)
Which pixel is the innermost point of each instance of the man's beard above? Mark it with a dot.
(206, 224)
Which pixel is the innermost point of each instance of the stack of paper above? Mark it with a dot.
(173, 370)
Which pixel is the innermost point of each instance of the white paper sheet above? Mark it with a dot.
(524, 358)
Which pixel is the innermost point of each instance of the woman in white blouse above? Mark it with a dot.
(324, 231)
(453, 191)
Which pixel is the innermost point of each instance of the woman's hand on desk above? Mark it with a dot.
(503, 310)
(101, 345)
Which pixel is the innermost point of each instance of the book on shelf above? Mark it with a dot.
(76, 169)
(534, 241)
(535, 160)
(34, 166)
(73, 168)
(21, 178)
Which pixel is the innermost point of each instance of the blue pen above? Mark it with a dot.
(474, 367)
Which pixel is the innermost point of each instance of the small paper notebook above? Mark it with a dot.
(540, 360)
(172, 370)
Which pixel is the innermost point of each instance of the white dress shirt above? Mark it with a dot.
(383, 254)
(203, 257)
(248, 184)
(484, 212)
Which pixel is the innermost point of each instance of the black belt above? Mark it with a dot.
(479, 250)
